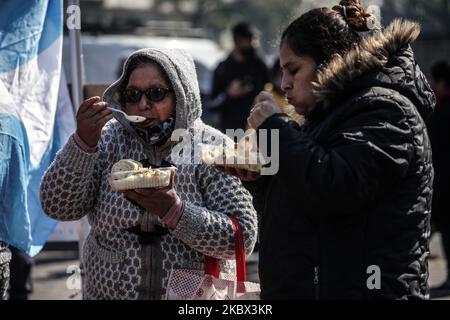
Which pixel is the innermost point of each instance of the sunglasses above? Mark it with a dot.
(132, 95)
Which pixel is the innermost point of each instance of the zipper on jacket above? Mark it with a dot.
(316, 282)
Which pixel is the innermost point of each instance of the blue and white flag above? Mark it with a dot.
(33, 125)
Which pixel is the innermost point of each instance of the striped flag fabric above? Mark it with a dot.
(36, 117)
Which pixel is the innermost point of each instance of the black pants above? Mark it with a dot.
(440, 216)
(4, 280)
(444, 229)
(20, 275)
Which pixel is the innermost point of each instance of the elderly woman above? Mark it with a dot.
(138, 236)
(347, 215)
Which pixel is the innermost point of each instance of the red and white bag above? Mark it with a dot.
(186, 284)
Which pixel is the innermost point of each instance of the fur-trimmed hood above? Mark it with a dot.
(382, 59)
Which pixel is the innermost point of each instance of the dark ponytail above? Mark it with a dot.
(324, 32)
(356, 16)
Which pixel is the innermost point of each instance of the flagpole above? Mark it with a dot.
(76, 67)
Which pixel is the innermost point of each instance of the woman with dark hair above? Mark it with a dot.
(347, 215)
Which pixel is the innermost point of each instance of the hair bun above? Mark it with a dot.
(356, 16)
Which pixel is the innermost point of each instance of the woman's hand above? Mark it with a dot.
(91, 118)
(244, 175)
(264, 108)
(155, 201)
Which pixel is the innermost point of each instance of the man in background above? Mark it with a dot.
(239, 79)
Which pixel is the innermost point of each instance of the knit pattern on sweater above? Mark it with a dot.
(116, 265)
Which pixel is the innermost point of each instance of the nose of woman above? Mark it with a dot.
(286, 84)
(144, 103)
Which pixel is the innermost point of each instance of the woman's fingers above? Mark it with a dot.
(100, 116)
(254, 120)
(141, 195)
(132, 195)
(86, 104)
(96, 117)
(262, 110)
(91, 118)
(172, 180)
(264, 96)
(93, 110)
(145, 192)
(104, 120)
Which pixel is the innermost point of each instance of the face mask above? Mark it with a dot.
(157, 134)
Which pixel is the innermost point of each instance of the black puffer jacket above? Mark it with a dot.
(353, 193)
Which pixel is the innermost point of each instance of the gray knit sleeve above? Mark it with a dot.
(69, 186)
(208, 229)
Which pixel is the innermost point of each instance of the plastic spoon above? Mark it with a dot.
(135, 119)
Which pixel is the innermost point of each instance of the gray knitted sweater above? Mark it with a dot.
(5, 254)
(117, 265)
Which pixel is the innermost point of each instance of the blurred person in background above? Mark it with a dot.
(439, 128)
(238, 79)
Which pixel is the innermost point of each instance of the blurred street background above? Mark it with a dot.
(114, 28)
